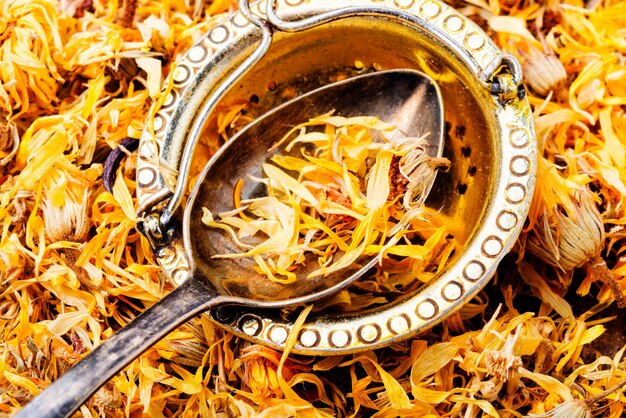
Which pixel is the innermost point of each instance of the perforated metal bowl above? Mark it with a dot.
(484, 198)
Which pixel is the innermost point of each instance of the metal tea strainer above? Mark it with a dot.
(273, 50)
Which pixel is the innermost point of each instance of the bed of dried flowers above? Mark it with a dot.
(78, 76)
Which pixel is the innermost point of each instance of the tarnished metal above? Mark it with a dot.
(484, 198)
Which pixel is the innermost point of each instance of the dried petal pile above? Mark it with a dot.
(348, 197)
(78, 76)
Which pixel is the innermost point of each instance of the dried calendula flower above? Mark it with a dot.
(348, 192)
(580, 408)
(9, 141)
(502, 364)
(569, 242)
(67, 220)
(108, 399)
(416, 172)
(543, 71)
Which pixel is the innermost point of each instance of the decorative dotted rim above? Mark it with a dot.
(444, 294)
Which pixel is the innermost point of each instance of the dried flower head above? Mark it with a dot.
(9, 141)
(575, 241)
(580, 408)
(108, 398)
(575, 408)
(417, 170)
(567, 243)
(502, 364)
(543, 71)
(67, 222)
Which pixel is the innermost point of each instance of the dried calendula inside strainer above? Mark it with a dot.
(342, 186)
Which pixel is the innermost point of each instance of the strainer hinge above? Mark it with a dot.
(502, 77)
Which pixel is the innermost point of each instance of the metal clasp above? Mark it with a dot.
(502, 77)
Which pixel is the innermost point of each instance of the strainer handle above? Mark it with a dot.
(66, 394)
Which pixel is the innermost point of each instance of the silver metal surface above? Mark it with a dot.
(483, 199)
(194, 134)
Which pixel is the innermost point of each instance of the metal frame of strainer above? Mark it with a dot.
(175, 123)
